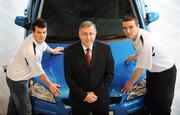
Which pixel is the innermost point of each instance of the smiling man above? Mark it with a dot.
(161, 70)
(27, 64)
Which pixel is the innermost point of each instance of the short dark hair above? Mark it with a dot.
(41, 23)
(130, 17)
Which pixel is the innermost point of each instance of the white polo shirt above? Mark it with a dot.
(27, 62)
(150, 55)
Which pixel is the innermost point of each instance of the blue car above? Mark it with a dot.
(63, 18)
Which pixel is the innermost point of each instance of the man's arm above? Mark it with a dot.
(55, 51)
(131, 58)
(52, 87)
(129, 85)
(37, 70)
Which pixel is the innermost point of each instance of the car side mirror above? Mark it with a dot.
(22, 21)
(151, 17)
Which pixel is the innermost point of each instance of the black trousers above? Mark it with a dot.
(160, 91)
(86, 109)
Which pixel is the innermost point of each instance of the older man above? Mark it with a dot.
(89, 70)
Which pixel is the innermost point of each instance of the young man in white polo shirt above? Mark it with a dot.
(161, 71)
(27, 64)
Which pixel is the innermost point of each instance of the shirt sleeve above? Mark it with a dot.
(48, 49)
(144, 59)
(33, 61)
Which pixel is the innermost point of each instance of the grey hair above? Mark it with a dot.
(86, 24)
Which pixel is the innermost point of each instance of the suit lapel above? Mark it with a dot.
(94, 55)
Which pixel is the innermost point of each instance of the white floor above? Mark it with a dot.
(11, 37)
(166, 30)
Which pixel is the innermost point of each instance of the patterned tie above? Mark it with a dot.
(88, 56)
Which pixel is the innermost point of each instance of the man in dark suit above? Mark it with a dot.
(89, 79)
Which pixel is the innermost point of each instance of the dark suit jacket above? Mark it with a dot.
(81, 79)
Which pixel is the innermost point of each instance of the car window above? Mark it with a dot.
(64, 16)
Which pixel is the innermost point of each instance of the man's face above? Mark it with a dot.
(87, 35)
(130, 29)
(40, 34)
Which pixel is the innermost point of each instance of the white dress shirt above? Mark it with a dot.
(150, 55)
(84, 48)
